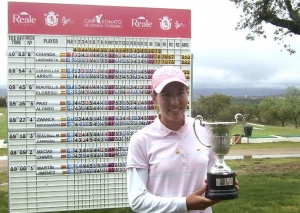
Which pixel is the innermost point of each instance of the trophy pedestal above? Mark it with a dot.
(221, 186)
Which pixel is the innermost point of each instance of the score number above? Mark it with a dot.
(20, 103)
(21, 152)
(20, 168)
(21, 119)
(21, 135)
(20, 87)
(19, 70)
(20, 54)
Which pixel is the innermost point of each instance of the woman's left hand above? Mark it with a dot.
(236, 182)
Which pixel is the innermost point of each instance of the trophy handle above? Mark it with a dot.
(200, 118)
(244, 123)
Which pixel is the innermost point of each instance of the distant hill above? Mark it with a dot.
(238, 92)
(3, 91)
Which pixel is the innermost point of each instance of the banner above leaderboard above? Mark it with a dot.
(78, 88)
(66, 19)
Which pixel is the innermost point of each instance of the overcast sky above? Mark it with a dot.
(223, 58)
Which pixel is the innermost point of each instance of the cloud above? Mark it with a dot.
(245, 65)
(223, 58)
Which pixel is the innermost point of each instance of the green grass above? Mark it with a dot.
(262, 136)
(268, 145)
(3, 151)
(120, 210)
(3, 177)
(264, 193)
(269, 130)
(259, 192)
(247, 163)
(288, 135)
(3, 125)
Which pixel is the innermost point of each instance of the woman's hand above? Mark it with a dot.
(236, 183)
(196, 201)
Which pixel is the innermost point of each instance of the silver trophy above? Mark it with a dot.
(220, 178)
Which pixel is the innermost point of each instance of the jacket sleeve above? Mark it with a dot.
(141, 200)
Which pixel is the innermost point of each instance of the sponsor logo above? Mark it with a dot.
(165, 23)
(24, 19)
(65, 20)
(51, 19)
(99, 21)
(177, 25)
(141, 23)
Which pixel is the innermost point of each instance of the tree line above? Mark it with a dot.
(3, 102)
(269, 110)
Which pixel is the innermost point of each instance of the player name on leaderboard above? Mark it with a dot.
(78, 88)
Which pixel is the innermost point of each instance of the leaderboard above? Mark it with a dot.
(78, 88)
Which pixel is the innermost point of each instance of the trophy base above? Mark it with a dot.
(221, 186)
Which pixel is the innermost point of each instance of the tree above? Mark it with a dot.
(284, 14)
(200, 107)
(292, 100)
(210, 106)
(267, 111)
(3, 102)
(215, 103)
(228, 113)
(276, 109)
(252, 112)
(282, 111)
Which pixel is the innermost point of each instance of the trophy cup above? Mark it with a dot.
(220, 178)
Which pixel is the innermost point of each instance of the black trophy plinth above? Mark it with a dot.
(221, 186)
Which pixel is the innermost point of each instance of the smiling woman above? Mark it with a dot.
(166, 170)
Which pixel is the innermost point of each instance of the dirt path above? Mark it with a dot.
(273, 151)
(3, 165)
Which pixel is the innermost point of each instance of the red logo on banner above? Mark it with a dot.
(100, 21)
(23, 19)
(165, 23)
(51, 19)
(89, 20)
(141, 23)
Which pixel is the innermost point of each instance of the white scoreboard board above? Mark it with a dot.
(78, 88)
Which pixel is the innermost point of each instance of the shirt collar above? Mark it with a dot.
(164, 131)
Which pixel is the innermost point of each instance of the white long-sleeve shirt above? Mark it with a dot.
(141, 200)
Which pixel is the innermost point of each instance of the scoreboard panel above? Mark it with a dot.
(78, 88)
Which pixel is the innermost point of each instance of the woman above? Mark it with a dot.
(166, 164)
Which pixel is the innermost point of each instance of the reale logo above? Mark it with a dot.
(141, 23)
(23, 19)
